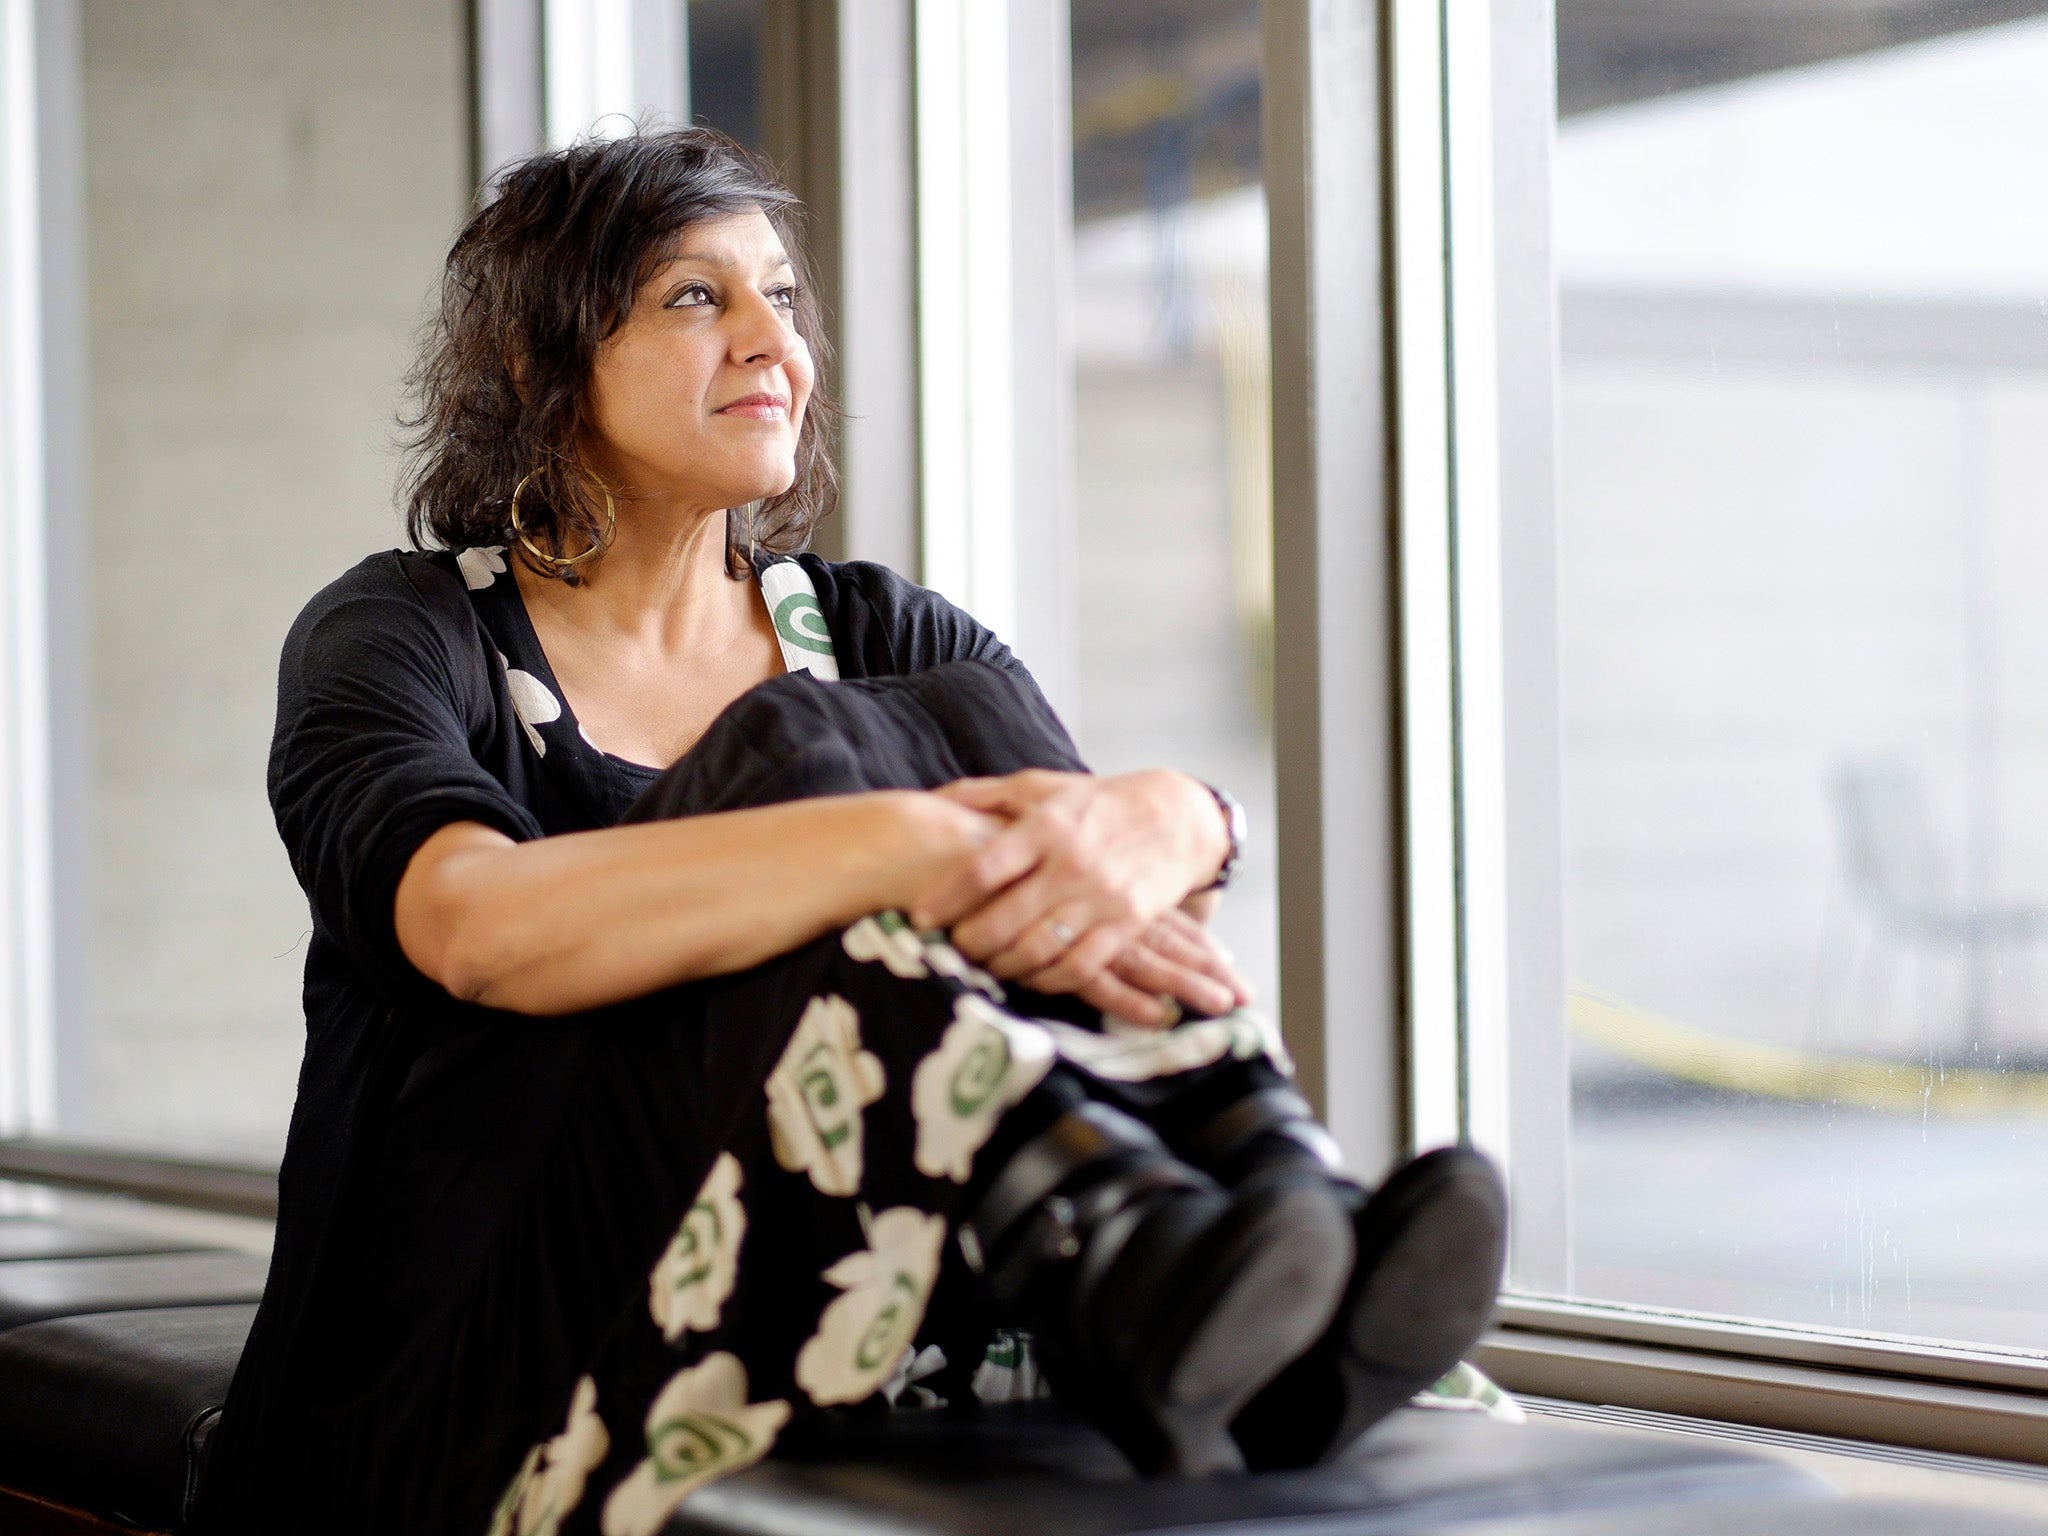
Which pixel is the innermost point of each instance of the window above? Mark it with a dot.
(225, 225)
(724, 46)
(263, 197)
(1791, 1030)
(1174, 611)
(1747, 941)
(1093, 380)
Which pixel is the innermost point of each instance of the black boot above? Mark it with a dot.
(1430, 1246)
(1159, 1301)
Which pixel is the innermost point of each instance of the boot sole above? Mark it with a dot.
(1439, 1232)
(1271, 1273)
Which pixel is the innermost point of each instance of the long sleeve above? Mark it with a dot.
(378, 708)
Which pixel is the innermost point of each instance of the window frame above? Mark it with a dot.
(1338, 656)
(43, 711)
(1470, 100)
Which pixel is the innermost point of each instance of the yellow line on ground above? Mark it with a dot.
(1804, 1077)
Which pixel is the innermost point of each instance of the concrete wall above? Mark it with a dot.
(270, 187)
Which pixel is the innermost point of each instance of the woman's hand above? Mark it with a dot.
(1086, 866)
(1176, 963)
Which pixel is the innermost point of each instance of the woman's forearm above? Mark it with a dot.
(589, 918)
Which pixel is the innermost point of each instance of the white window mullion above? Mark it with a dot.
(1451, 574)
(569, 87)
(28, 1074)
(1476, 563)
(965, 312)
(609, 63)
(1429, 664)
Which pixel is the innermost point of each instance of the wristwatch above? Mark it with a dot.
(1234, 823)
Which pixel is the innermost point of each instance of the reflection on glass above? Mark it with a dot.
(1805, 431)
(1171, 440)
(269, 189)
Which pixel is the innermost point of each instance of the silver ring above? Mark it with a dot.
(1061, 931)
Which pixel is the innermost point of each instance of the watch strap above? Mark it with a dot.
(1235, 824)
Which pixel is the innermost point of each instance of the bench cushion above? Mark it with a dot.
(934, 1475)
(34, 1289)
(109, 1411)
(39, 1237)
(1836, 1517)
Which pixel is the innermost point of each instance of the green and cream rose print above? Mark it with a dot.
(532, 701)
(867, 1329)
(986, 1061)
(888, 939)
(549, 1483)
(700, 1427)
(695, 1275)
(1128, 1053)
(481, 567)
(799, 620)
(816, 1094)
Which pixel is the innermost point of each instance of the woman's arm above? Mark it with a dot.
(576, 921)
(566, 923)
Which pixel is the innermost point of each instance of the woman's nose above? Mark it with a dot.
(763, 334)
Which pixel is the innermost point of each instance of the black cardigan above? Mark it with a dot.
(395, 718)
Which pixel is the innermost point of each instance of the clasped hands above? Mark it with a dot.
(1081, 885)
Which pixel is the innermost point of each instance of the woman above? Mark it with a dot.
(636, 1126)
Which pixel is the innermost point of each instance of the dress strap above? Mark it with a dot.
(800, 627)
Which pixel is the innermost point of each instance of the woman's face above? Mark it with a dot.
(700, 394)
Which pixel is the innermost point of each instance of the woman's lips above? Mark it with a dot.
(757, 407)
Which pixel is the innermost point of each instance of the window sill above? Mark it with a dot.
(1903, 1395)
(1856, 1467)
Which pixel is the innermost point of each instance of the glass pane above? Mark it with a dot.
(269, 191)
(725, 67)
(1171, 420)
(1804, 298)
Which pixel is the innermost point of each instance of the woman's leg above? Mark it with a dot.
(853, 1097)
(871, 1097)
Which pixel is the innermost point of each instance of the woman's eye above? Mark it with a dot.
(691, 296)
(783, 297)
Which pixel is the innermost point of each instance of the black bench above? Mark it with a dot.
(116, 1348)
(109, 1411)
(34, 1289)
(1423, 1470)
(104, 1412)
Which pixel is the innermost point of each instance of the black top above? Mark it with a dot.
(413, 693)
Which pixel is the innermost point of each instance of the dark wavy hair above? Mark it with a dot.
(540, 276)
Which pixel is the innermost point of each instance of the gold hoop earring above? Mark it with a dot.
(564, 562)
